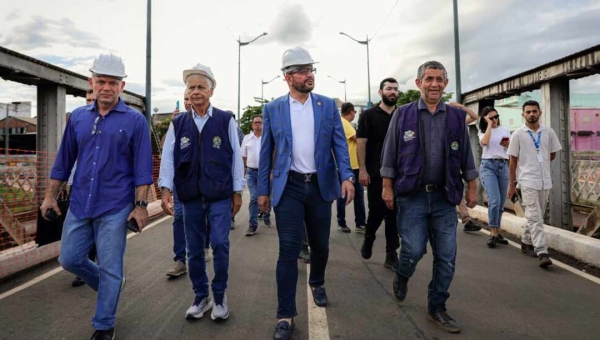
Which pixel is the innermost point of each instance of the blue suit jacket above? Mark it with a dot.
(276, 148)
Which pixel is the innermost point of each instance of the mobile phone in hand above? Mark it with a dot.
(504, 140)
(177, 105)
(514, 198)
(51, 215)
(133, 226)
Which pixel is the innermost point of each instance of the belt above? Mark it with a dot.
(432, 187)
(249, 168)
(495, 159)
(306, 178)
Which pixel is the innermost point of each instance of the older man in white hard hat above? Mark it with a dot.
(201, 160)
(305, 132)
(109, 187)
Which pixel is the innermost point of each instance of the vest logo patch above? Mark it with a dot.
(409, 135)
(454, 146)
(184, 143)
(217, 142)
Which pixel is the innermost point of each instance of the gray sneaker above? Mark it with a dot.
(220, 312)
(207, 255)
(268, 223)
(198, 308)
(251, 231)
(179, 268)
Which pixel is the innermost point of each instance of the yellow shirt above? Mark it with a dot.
(352, 146)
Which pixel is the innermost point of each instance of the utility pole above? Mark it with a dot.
(149, 63)
(457, 53)
(240, 44)
(365, 42)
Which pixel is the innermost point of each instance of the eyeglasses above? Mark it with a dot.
(257, 123)
(304, 71)
(95, 125)
(495, 117)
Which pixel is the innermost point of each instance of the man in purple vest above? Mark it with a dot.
(425, 159)
(202, 162)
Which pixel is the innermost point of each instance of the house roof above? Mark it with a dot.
(28, 120)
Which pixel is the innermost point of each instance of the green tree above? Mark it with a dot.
(412, 95)
(249, 112)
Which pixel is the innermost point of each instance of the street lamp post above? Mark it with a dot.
(262, 88)
(240, 44)
(457, 53)
(364, 42)
(341, 82)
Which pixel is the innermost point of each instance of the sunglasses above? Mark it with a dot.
(495, 117)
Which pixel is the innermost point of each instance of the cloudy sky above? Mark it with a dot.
(499, 38)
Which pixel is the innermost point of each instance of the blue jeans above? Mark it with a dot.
(179, 247)
(494, 178)
(359, 205)
(252, 181)
(109, 233)
(301, 203)
(196, 214)
(423, 216)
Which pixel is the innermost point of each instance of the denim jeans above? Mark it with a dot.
(252, 181)
(179, 246)
(423, 216)
(494, 178)
(196, 214)
(109, 233)
(301, 203)
(359, 205)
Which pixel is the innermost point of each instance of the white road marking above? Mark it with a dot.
(60, 269)
(318, 328)
(557, 262)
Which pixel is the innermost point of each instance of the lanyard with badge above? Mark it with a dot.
(537, 145)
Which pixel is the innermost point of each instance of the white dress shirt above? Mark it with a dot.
(165, 178)
(303, 136)
(251, 150)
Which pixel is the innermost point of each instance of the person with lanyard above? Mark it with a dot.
(532, 147)
(251, 154)
(201, 160)
(426, 157)
(494, 140)
(304, 151)
(111, 143)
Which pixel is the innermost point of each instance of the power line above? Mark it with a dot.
(386, 19)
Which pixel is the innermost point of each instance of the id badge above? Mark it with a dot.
(540, 158)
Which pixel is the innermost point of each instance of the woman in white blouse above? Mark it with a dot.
(494, 169)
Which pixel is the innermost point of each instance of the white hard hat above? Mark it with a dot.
(296, 56)
(202, 70)
(109, 65)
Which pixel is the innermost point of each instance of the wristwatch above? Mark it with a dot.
(142, 204)
(351, 179)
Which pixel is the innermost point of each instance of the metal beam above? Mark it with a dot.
(30, 71)
(555, 114)
(578, 65)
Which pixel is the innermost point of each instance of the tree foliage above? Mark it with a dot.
(249, 112)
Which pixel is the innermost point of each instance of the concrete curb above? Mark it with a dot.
(583, 248)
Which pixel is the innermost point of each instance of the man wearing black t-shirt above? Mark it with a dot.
(372, 128)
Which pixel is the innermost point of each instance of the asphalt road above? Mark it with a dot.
(496, 294)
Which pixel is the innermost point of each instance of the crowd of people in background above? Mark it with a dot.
(415, 161)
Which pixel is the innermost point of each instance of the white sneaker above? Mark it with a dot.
(220, 312)
(197, 310)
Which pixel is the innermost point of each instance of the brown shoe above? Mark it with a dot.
(179, 268)
(545, 260)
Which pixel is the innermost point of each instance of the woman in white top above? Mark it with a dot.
(494, 169)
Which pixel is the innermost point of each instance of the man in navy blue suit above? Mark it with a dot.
(304, 151)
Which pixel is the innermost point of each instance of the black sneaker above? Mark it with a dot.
(470, 226)
(501, 240)
(251, 231)
(366, 251)
(103, 334)
(391, 261)
(260, 216)
(545, 260)
(400, 287)
(443, 321)
(343, 228)
(492, 241)
(77, 282)
(283, 330)
(304, 254)
(528, 250)
(360, 229)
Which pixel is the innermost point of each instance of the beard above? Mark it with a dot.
(303, 87)
(533, 119)
(388, 101)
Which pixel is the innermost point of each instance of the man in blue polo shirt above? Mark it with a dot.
(111, 143)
